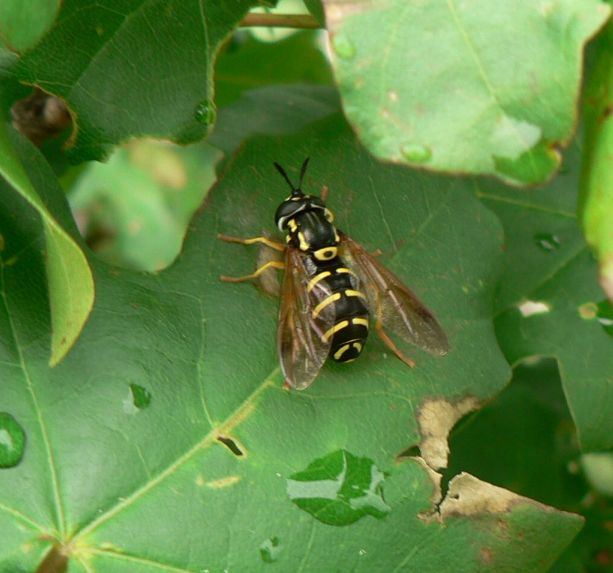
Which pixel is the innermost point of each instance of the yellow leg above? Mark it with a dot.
(390, 344)
(268, 265)
(263, 240)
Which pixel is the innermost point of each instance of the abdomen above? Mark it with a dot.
(350, 329)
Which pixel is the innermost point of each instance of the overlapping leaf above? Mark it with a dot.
(597, 181)
(547, 303)
(135, 68)
(135, 208)
(70, 280)
(23, 22)
(124, 467)
(469, 87)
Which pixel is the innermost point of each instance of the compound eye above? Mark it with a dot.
(286, 211)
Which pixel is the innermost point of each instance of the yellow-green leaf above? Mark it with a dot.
(597, 177)
(69, 277)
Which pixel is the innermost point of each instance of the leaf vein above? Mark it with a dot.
(43, 428)
(235, 418)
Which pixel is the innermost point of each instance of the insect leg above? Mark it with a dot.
(390, 344)
(263, 240)
(257, 273)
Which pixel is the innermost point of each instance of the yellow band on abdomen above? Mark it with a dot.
(338, 326)
(324, 303)
(316, 279)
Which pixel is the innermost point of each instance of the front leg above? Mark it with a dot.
(256, 274)
(264, 240)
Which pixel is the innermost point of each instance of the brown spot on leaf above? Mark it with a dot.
(223, 482)
(487, 555)
(604, 557)
(337, 11)
(56, 561)
(435, 418)
(470, 496)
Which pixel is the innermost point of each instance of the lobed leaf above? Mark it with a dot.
(548, 301)
(133, 68)
(23, 22)
(596, 209)
(468, 87)
(69, 277)
(166, 440)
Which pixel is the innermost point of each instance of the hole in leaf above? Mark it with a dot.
(410, 452)
(12, 441)
(231, 445)
(532, 307)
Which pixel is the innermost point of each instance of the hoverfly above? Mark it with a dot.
(323, 312)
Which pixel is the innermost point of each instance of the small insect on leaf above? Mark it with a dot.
(324, 312)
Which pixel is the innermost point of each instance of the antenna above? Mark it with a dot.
(295, 190)
(303, 169)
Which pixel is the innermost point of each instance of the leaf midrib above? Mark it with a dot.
(39, 417)
(234, 418)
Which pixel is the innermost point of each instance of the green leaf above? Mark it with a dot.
(273, 110)
(550, 306)
(315, 7)
(596, 209)
(536, 454)
(142, 68)
(544, 434)
(196, 477)
(247, 63)
(135, 208)
(463, 87)
(70, 280)
(23, 22)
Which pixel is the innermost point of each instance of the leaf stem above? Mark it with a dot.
(305, 21)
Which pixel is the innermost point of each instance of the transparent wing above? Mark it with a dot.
(393, 303)
(300, 342)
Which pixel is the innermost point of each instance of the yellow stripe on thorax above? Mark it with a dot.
(304, 246)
